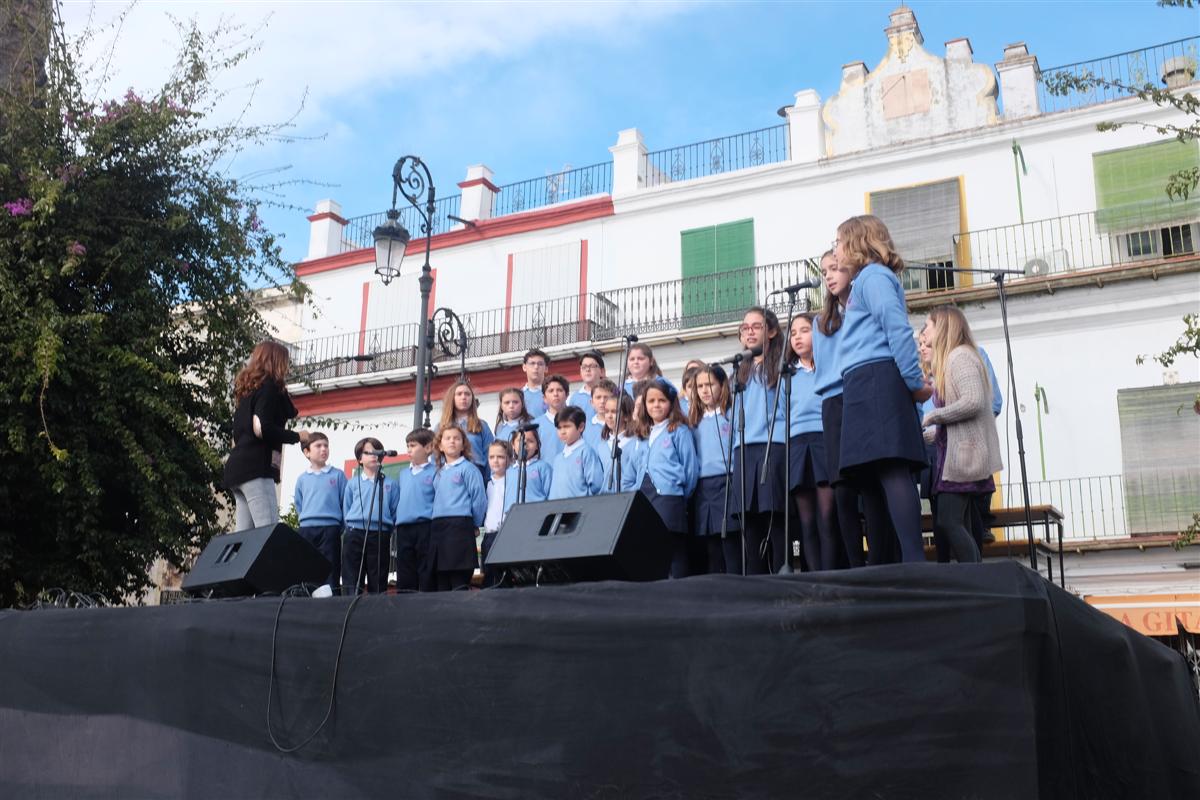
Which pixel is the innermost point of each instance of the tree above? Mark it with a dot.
(126, 263)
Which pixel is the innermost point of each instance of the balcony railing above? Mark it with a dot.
(1116, 506)
(561, 187)
(1084, 241)
(708, 299)
(717, 156)
(1114, 77)
(669, 305)
(359, 230)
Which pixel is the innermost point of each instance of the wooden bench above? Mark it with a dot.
(1010, 518)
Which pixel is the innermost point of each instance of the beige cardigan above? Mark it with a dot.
(972, 444)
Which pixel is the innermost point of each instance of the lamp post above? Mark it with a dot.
(411, 178)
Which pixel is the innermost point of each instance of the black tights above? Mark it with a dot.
(891, 483)
(881, 540)
(819, 535)
(845, 497)
(953, 516)
(761, 559)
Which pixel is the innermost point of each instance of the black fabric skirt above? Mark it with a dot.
(761, 496)
(708, 507)
(808, 465)
(452, 544)
(928, 479)
(831, 431)
(879, 419)
(672, 509)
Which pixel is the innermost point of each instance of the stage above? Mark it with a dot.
(906, 681)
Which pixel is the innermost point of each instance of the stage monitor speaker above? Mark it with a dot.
(266, 560)
(606, 537)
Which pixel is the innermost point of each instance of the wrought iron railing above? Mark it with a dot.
(358, 231)
(1114, 77)
(559, 187)
(1116, 506)
(1084, 241)
(669, 305)
(709, 299)
(548, 323)
(716, 156)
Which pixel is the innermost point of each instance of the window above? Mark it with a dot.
(1177, 240)
(1173, 240)
(1131, 185)
(717, 266)
(923, 221)
(1141, 244)
(1159, 439)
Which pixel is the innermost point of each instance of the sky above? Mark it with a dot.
(530, 88)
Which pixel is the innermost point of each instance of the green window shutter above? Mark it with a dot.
(1159, 437)
(717, 270)
(1131, 185)
(698, 251)
(734, 245)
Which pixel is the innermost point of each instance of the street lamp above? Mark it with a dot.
(411, 178)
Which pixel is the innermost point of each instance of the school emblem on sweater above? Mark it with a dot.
(456, 478)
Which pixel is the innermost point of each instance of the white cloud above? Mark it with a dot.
(341, 51)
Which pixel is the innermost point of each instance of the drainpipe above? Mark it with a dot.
(1040, 401)
(1018, 170)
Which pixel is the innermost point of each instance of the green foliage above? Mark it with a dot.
(291, 518)
(126, 263)
(1189, 535)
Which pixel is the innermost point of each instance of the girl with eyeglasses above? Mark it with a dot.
(761, 481)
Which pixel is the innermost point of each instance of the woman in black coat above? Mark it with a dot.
(263, 409)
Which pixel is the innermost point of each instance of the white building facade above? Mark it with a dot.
(971, 166)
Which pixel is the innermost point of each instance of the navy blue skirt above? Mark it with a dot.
(879, 419)
(672, 508)
(831, 430)
(452, 544)
(808, 467)
(708, 507)
(761, 496)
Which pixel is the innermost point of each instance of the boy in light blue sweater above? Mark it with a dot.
(577, 469)
(365, 544)
(318, 501)
(414, 510)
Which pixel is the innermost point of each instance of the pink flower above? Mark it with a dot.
(21, 207)
(76, 249)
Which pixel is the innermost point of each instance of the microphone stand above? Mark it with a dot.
(785, 372)
(379, 478)
(615, 474)
(739, 407)
(521, 468)
(997, 276)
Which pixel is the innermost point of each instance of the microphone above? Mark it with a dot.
(361, 358)
(631, 338)
(748, 353)
(795, 287)
(381, 453)
(528, 426)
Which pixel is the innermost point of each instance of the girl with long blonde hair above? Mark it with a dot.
(968, 446)
(460, 407)
(881, 443)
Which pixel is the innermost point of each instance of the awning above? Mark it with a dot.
(1152, 614)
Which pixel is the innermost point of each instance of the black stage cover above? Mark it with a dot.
(909, 681)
